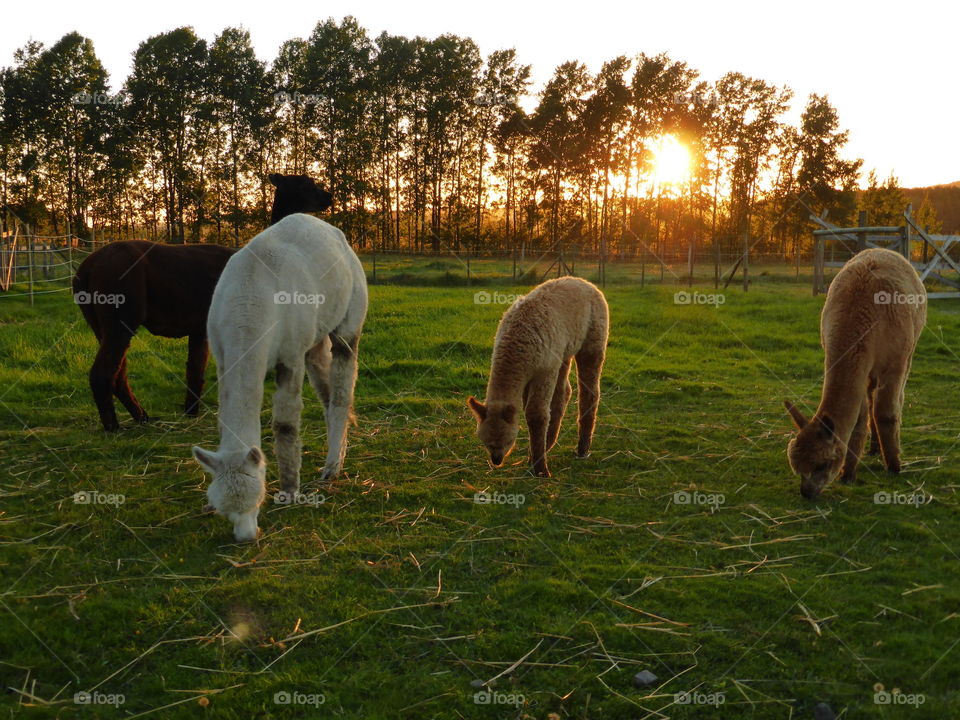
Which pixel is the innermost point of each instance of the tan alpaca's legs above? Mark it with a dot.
(287, 406)
(855, 446)
(589, 366)
(558, 405)
(874, 438)
(887, 415)
(537, 410)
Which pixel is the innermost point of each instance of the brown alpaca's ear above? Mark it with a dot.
(798, 419)
(510, 413)
(479, 409)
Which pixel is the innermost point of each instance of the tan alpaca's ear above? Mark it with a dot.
(827, 427)
(479, 409)
(798, 419)
(510, 413)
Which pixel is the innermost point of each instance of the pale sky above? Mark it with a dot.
(889, 68)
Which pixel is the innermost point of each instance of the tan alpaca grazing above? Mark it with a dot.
(875, 310)
(538, 337)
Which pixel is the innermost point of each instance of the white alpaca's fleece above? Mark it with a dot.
(294, 300)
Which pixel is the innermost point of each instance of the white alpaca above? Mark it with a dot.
(293, 299)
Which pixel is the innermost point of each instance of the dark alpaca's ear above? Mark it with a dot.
(510, 413)
(479, 409)
(275, 179)
(798, 419)
(255, 456)
(826, 426)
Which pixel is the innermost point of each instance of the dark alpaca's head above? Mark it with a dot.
(297, 194)
(816, 454)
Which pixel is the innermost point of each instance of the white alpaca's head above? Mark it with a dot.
(238, 487)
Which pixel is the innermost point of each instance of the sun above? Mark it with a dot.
(671, 161)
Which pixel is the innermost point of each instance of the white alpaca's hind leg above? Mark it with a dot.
(287, 406)
(343, 378)
(318, 360)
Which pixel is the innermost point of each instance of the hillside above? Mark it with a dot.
(946, 201)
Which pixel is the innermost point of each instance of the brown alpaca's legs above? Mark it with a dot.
(589, 366)
(287, 406)
(197, 356)
(855, 447)
(106, 367)
(887, 415)
(537, 411)
(121, 388)
(558, 405)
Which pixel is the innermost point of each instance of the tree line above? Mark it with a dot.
(426, 145)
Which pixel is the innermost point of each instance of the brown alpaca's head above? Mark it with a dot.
(816, 453)
(497, 427)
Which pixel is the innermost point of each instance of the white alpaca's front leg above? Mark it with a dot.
(287, 407)
(343, 378)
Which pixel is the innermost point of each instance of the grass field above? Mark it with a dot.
(681, 546)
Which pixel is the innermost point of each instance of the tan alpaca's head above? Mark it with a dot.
(498, 424)
(238, 487)
(816, 453)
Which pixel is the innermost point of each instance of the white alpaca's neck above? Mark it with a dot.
(241, 400)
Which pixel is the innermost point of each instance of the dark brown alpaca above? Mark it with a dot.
(167, 290)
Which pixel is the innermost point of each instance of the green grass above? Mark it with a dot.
(412, 591)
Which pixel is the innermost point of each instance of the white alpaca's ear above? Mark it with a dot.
(255, 457)
(208, 460)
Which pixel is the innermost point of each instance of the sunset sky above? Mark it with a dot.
(890, 74)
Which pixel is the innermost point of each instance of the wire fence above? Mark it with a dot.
(38, 265)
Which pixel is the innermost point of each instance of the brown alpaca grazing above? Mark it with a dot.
(538, 337)
(166, 289)
(873, 316)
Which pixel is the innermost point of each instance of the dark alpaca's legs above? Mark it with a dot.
(537, 411)
(589, 367)
(103, 374)
(558, 405)
(121, 388)
(855, 447)
(197, 356)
